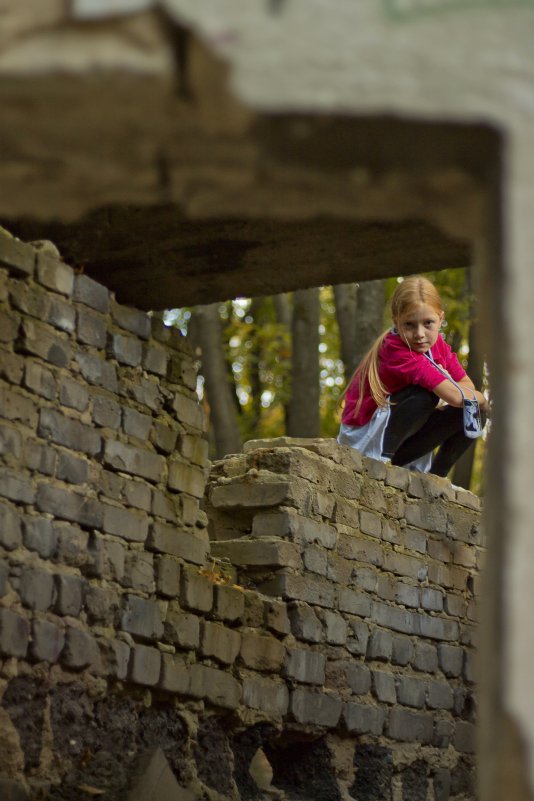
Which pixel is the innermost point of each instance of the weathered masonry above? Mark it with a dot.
(338, 659)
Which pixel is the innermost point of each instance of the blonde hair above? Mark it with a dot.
(409, 294)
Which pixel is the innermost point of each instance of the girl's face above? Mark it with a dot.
(419, 327)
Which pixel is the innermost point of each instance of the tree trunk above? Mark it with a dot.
(282, 310)
(254, 366)
(345, 298)
(371, 301)
(303, 416)
(206, 331)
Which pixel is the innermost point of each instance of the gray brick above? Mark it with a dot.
(450, 659)
(40, 380)
(36, 589)
(40, 458)
(440, 695)
(309, 588)
(15, 486)
(73, 394)
(142, 618)
(411, 691)
(126, 523)
(115, 658)
(415, 540)
(155, 360)
(407, 594)
(48, 641)
(14, 634)
(196, 591)
(276, 552)
(91, 293)
(408, 726)
(402, 651)
(55, 275)
(178, 542)
(268, 696)
(68, 432)
(364, 718)
(425, 658)
(364, 578)
(443, 731)
(335, 627)
(139, 571)
(30, 299)
(11, 366)
(98, 371)
(145, 665)
(261, 651)
(220, 642)
(69, 505)
(181, 628)
(358, 678)
(276, 617)
(168, 576)
(91, 328)
(80, 649)
(101, 604)
(194, 448)
(357, 644)
(70, 590)
(431, 599)
(145, 391)
(110, 559)
(10, 443)
(355, 603)
(184, 477)
(163, 437)
(229, 603)
(136, 424)
(10, 528)
(438, 628)
(403, 565)
(131, 319)
(166, 505)
(16, 406)
(216, 686)
(315, 707)
(17, 256)
(305, 666)
(106, 412)
(174, 676)
(136, 461)
(42, 340)
(189, 411)
(384, 686)
(72, 469)
(4, 578)
(391, 617)
(370, 523)
(61, 315)
(428, 515)
(9, 326)
(380, 645)
(138, 494)
(72, 545)
(464, 739)
(125, 349)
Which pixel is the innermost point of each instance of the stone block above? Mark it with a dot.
(10, 527)
(139, 571)
(380, 645)
(18, 257)
(155, 360)
(164, 437)
(408, 726)
(335, 627)
(145, 665)
(106, 412)
(309, 588)
(91, 293)
(305, 666)
(403, 565)
(137, 493)
(384, 686)
(439, 695)
(432, 599)
(131, 319)
(68, 432)
(29, 299)
(44, 341)
(316, 708)
(181, 628)
(17, 407)
(80, 650)
(428, 515)
(407, 594)
(276, 617)
(36, 589)
(69, 505)
(402, 651)
(136, 461)
(346, 513)
(166, 505)
(256, 552)
(71, 545)
(55, 275)
(425, 657)
(69, 595)
(358, 637)
(342, 482)
(438, 628)
(450, 658)
(364, 578)
(129, 524)
(146, 391)
(370, 523)
(47, 641)
(168, 576)
(102, 604)
(261, 651)
(196, 591)
(464, 739)
(16, 487)
(72, 469)
(184, 477)
(463, 525)
(114, 658)
(62, 315)
(294, 527)
(443, 731)
(40, 380)
(14, 634)
(9, 326)
(363, 718)
(415, 540)
(91, 328)
(220, 642)
(142, 618)
(125, 349)
(136, 424)
(73, 394)
(11, 444)
(315, 559)
(270, 697)
(174, 676)
(305, 625)
(358, 677)
(229, 603)
(178, 542)
(11, 366)
(411, 691)
(216, 686)
(189, 411)
(355, 603)
(4, 577)
(394, 618)
(193, 448)
(98, 371)
(40, 458)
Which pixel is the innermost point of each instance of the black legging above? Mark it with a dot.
(415, 427)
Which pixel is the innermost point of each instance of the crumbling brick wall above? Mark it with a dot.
(340, 652)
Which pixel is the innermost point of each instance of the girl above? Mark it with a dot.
(391, 404)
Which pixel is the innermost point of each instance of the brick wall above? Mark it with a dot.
(340, 651)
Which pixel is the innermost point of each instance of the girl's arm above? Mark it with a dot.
(451, 395)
